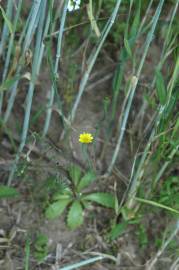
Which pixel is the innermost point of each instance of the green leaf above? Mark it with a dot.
(27, 253)
(8, 192)
(175, 133)
(59, 196)
(157, 205)
(105, 199)
(40, 255)
(54, 183)
(8, 83)
(75, 174)
(75, 215)
(41, 247)
(56, 209)
(160, 87)
(142, 235)
(9, 24)
(136, 21)
(127, 47)
(41, 242)
(86, 180)
(86, 204)
(117, 230)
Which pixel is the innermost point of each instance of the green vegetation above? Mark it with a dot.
(41, 247)
(8, 192)
(108, 69)
(77, 198)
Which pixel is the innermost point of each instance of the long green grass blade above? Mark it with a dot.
(82, 263)
(133, 85)
(7, 26)
(41, 9)
(92, 59)
(8, 22)
(55, 71)
(156, 204)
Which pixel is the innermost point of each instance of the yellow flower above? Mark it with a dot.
(85, 138)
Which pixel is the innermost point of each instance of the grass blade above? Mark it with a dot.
(58, 55)
(82, 263)
(133, 86)
(156, 204)
(92, 59)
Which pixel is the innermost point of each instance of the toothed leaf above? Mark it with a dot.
(105, 199)
(75, 215)
(56, 209)
(75, 174)
(86, 180)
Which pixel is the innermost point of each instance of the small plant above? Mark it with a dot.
(41, 247)
(75, 199)
(169, 192)
(8, 192)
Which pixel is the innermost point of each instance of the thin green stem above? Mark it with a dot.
(85, 153)
(82, 263)
(5, 31)
(35, 66)
(28, 28)
(55, 71)
(133, 86)
(92, 59)
(164, 246)
(27, 254)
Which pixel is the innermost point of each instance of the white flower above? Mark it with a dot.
(70, 6)
(77, 7)
(73, 5)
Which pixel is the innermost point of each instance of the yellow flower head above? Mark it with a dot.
(85, 138)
